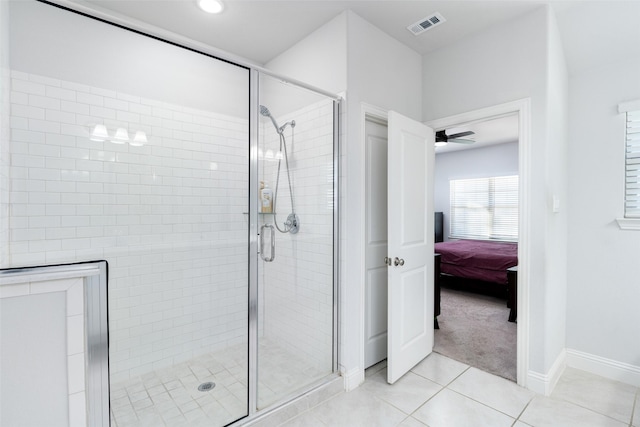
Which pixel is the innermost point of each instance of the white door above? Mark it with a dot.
(410, 159)
(375, 345)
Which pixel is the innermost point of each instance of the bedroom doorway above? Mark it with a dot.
(476, 199)
(522, 110)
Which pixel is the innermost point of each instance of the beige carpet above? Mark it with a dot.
(474, 330)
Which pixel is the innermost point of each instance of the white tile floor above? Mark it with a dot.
(170, 397)
(441, 392)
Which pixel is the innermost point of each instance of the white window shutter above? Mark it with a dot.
(484, 208)
(632, 166)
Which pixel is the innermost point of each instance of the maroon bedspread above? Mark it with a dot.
(477, 259)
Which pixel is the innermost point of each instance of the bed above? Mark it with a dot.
(477, 259)
(484, 266)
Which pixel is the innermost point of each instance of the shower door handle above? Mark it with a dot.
(272, 232)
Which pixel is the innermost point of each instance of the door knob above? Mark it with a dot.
(387, 260)
(398, 261)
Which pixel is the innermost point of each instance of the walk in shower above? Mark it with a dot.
(208, 186)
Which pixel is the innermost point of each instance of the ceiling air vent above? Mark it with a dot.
(426, 24)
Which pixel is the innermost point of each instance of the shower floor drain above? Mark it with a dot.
(206, 386)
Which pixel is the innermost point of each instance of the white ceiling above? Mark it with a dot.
(259, 30)
(593, 31)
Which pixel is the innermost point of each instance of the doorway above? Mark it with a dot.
(400, 328)
(522, 109)
(376, 243)
(476, 194)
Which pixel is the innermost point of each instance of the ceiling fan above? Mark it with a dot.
(443, 139)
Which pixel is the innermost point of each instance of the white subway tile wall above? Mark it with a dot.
(298, 285)
(167, 216)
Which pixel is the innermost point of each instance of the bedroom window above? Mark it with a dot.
(484, 208)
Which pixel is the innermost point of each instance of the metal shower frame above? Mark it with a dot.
(254, 120)
(254, 72)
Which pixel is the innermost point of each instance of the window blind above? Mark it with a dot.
(484, 208)
(632, 166)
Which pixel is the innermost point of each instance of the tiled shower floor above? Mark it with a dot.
(170, 397)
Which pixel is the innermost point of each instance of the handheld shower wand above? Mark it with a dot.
(265, 112)
(292, 223)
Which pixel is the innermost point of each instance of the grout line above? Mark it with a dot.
(439, 391)
(524, 409)
(483, 404)
(425, 402)
(461, 373)
(581, 406)
(633, 410)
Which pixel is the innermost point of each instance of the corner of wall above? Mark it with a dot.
(374, 76)
(544, 383)
(353, 378)
(320, 59)
(557, 99)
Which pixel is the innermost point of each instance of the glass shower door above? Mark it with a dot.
(296, 220)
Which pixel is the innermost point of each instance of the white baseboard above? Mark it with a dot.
(545, 383)
(353, 378)
(607, 368)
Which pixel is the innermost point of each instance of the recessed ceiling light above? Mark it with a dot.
(211, 6)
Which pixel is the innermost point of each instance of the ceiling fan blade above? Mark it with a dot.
(461, 141)
(461, 134)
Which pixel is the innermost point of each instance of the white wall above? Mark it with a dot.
(511, 62)
(381, 72)
(604, 289)
(557, 179)
(320, 59)
(494, 160)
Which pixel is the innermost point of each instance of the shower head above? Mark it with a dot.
(265, 112)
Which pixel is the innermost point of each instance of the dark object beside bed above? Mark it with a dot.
(479, 266)
(438, 226)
